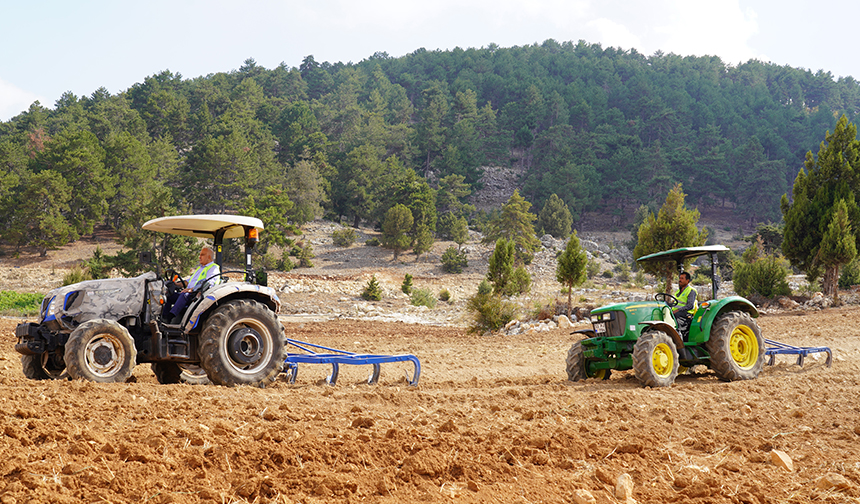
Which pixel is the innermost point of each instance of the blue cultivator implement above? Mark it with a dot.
(775, 347)
(336, 357)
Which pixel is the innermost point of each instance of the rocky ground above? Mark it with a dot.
(493, 418)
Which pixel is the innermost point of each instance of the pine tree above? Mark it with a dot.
(837, 248)
(830, 177)
(398, 222)
(570, 270)
(555, 218)
(674, 227)
(515, 224)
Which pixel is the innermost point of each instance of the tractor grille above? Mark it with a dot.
(609, 323)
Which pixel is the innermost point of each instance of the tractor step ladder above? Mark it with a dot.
(336, 357)
(775, 348)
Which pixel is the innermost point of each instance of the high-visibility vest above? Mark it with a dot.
(682, 299)
(200, 275)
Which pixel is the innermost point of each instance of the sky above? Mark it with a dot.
(49, 47)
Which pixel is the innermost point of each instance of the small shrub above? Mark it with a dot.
(423, 297)
(490, 313)
(372, 291)
(485, 287)
(639, 278)
(373, 242)
(445, 296)
(607, 274)
(453, 261)
(700, 278)
(20, 303)
(592, 268)
(406, 286)
(75, 275)
(850, 274)
(623, 272)
(305, 255)
(284, 263)
(343, 237)
(762, 274)
(520, 282)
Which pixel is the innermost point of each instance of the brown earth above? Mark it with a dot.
(493, 418)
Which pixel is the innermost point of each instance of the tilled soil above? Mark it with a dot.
(493, 419)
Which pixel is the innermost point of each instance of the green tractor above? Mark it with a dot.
(644, 336)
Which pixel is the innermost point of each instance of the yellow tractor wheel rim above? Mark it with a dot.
(744, 346)
(661, 360)
(600, 374)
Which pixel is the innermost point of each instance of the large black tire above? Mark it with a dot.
(172, 372)
(575, 363)
(243, 343)
(736, 347)
(101, 351)
(44, 366)
(655, 359)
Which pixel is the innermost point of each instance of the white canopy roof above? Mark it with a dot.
(203, 226)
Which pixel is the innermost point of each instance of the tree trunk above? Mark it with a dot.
(831, 282)
(569, 296)
(669, 278)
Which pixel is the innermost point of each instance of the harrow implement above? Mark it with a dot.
(775, 348)
(337, 357)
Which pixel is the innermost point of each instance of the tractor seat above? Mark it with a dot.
(668, 318)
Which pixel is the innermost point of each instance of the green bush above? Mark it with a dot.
(607, 274)
(623, 272)
(850, 274)
(406, 286)
(20, 303)
(343, 237)
(305, 255)
(373, 242)
(490, 312)
(762, 274)
(75, 275)
(453, 261)
(423, 297)
(485, 287)
(372, 291)
(445, 296)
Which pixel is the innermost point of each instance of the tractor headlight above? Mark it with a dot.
(53, 305)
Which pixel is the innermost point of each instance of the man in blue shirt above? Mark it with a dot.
(208, 271)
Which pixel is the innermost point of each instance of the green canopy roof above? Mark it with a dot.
(680, 255)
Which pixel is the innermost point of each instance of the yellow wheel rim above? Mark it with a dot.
(744, 346)
(600, 374)
(661, 360)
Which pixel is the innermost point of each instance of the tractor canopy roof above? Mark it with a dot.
(205, 226)
(679, 255)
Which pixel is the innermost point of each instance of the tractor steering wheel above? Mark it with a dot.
(173, 280)
(667, 298)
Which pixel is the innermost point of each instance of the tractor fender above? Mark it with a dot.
(666, 328)
(717, 308)
(231, 290)
(588, 333)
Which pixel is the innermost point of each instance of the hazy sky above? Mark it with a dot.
(48, 47)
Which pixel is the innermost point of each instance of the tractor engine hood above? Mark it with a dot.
(65, 308)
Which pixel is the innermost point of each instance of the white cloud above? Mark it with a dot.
(718, 27)
(612, 34)
(14, 100)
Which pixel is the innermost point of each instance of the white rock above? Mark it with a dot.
(583, 497)
(624, 487)
(781, 459)
(563, 322)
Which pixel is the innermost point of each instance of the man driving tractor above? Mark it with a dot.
(687, 304)
(206, 271)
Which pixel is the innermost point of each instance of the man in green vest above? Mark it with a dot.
(207, 272)
(687, 304)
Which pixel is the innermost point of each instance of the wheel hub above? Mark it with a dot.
(661, 360)
(245, 346)
(104, 355)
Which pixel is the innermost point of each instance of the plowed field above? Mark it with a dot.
(493, 419)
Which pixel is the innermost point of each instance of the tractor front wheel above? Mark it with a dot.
(655, 359)
(172, 372)
(736, 347)
(243, 343)
(44, 366)
(101, 351)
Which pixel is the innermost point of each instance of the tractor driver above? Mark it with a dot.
(206, 272)
(687, 304)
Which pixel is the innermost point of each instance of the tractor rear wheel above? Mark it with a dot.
(736, 347)
(655, 359)
(575, 363)
(101, 351)
(243, 343)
